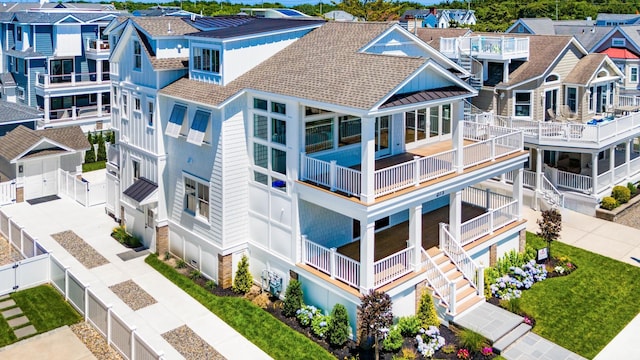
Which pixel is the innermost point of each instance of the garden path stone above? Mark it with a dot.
(511, 337)
(18, 321)
(489, 320)
(25, 331)
(7, 303)
(532, 346)
(3, 297)
(11, 312)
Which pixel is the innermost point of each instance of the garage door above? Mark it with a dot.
(40, 178)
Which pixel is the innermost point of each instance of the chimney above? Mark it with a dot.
(433, 11)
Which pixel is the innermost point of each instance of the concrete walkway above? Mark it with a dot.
(606, 238)
(173, 309)
(58, 344)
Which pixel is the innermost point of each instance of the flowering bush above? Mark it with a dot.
(429, 341)
(565, 266)
(306, 314)
(527, 321)
(320, 325)
(463, 354)
(511, 284)
(487, 351)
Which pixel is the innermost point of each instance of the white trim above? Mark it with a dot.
(531, 102)
(197, 180)
(631, 68)
(566, 98)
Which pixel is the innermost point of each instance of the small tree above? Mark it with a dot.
(243, 280)
(89, 137)
(550, 225)
(338, 326)
(427, 311)
(292, 298)
(102, 150)
(90, 155)
(375, 316)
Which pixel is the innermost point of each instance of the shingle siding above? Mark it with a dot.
(44, 39)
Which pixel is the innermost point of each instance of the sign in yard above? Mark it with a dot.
(542, 254)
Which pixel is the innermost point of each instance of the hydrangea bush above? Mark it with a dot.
(306, 314)
(429, 341)
(510, 285)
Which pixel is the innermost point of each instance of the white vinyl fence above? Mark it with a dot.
(41, 267)
(85, 193)
(7, 192)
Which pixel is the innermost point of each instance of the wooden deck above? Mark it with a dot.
(394, 239)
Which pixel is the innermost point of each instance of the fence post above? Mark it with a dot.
(332, 262)
(303, 166)
(66, 283)
(452, 298)
(109, 324)
(86, 303)
(133, 343)
(416, 162)
(481, 281)
(332, 174)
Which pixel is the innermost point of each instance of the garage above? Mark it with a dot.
(40, 177)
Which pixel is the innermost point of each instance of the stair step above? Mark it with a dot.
(434, 251)
(511, 337)
(460, 308)
(447, 267)
(454, 276)
(462, 294)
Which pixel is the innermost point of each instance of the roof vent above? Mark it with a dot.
(169, 31)
(193, 17)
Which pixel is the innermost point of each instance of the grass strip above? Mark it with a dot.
(268, 333)
(6, 334)
(585, 310)
(45, 308)
(94, 166)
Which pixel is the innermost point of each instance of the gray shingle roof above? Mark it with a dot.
(11, 112)
(161, 63)
(29, 53)
(21, 139)
(6, 79)
(587, 35)
(141, 189)
(539, 26)
(163, 25)
(51, 17)
(325, 65)
(585, 69)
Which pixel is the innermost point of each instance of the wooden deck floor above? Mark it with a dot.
(394, 239)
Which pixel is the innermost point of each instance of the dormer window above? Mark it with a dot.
(206, 60)
(618, 42)
(551, 78)
(19, 33)
(137, 55)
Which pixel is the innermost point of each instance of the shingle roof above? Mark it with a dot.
(21, 139)
(585, 69)
(432, 35)
(425, 95)
(587, 35)
(141, 189)
(544, 49)
(161, 63)
(6, 79)
(539, 26)
(32, 17)
(324, 65)
(251, 25)
(163, 25)
(11, 112)
(29, 53)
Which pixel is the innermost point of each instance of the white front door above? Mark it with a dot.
(40, 178)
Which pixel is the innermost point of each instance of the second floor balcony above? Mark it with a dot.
(486, 47)
(97, 49)
(73, 79)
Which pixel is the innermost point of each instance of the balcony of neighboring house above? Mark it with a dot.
(341, 171)
(71, 83)
(97, 49)
(482, 47)
(397, 258)
(74, 109)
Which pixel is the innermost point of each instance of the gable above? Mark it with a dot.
(69, 20)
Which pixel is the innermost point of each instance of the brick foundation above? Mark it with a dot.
(162, 239)
(493, 254)
(293, 274)
(121, 215)
(19, 194)
(522, 243)
(225, 271)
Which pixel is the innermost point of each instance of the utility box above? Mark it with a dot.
(271, 282)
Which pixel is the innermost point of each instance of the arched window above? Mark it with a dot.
(552, 78)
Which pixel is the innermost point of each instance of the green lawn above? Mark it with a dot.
(94, 166)
(45, 308)
(585, 310)
(268, 333)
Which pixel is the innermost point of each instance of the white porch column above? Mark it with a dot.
(98, 69)
(99, 102)
(455, 214)
(367, 247)
(538, 190)
(368, 160)
(627, 157)
(594, 173)
(612, 164)
(47, 108)
(518, 177)
(458, 139)
(415, 234)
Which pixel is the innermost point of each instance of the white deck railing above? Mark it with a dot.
(485, 46)
(394, 266)
(491, 142)
(442, 286)
(452, 248)
(573, 181)
(488, 222)
(628, 100)
(317, 256)
(71, 79)
(347, 270)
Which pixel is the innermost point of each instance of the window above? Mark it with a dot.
(278, 108)
(19, 33)
(618, 42)
(20, 93)
(135, 169)
(260, 123)
(198, 127)
(136, 104)
(279, 131)
(60, 70)
(114, 91)
(206, 60)
(318, 135)
(150, 113)
(15, 65)
(260, 104)
(634, 74)
(25, 67)
(175, 120)
(522, 104)
(196, 195)
(572, 99)
(349, 130)
(591, 105)
(552, 78)
(125, 104)
(137, 55)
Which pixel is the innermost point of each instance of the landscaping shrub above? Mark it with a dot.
(180, 264)
(511, 305)
(632, 188)
(426, 313)
(195, 275)
(393, 341)
(511, 284)
(407, 354)
(120, 233)
(375, 316)
(621, 194)
(306, 314)
(338, 325)
(409, 325)
(102, 150)
(320, 325)
(210, 285)
(262, 301)
(293, 298)
(550, 226)
(90, 155)
(564, 265)
(471, 340)
(429, 341)
(609, 203)
(243, 280)
(89, 138)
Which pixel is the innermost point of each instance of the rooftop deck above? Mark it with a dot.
(486, 47)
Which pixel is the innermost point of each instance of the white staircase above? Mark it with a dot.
(466, 296)
(467, 63)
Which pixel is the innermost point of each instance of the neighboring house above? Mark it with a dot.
(34, 158)
(435, 18)
(13, 115)
(585, 31)
(273, 13)
(622, 45)
(339, 15)
(46, 5)
(349, 175)
(59, 63)
(577, 126)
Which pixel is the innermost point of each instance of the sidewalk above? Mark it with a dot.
(606, 238)
(173, 309)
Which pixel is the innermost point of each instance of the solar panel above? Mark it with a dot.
(289, 12)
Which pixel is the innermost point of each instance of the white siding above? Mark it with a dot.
(427, 79)
(237, 61)
(68, 40)
(397, 43)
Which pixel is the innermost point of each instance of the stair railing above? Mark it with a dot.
(442, 286)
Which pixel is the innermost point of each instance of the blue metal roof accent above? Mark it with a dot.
(218, 22)
(257, 26)
(289, 12)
